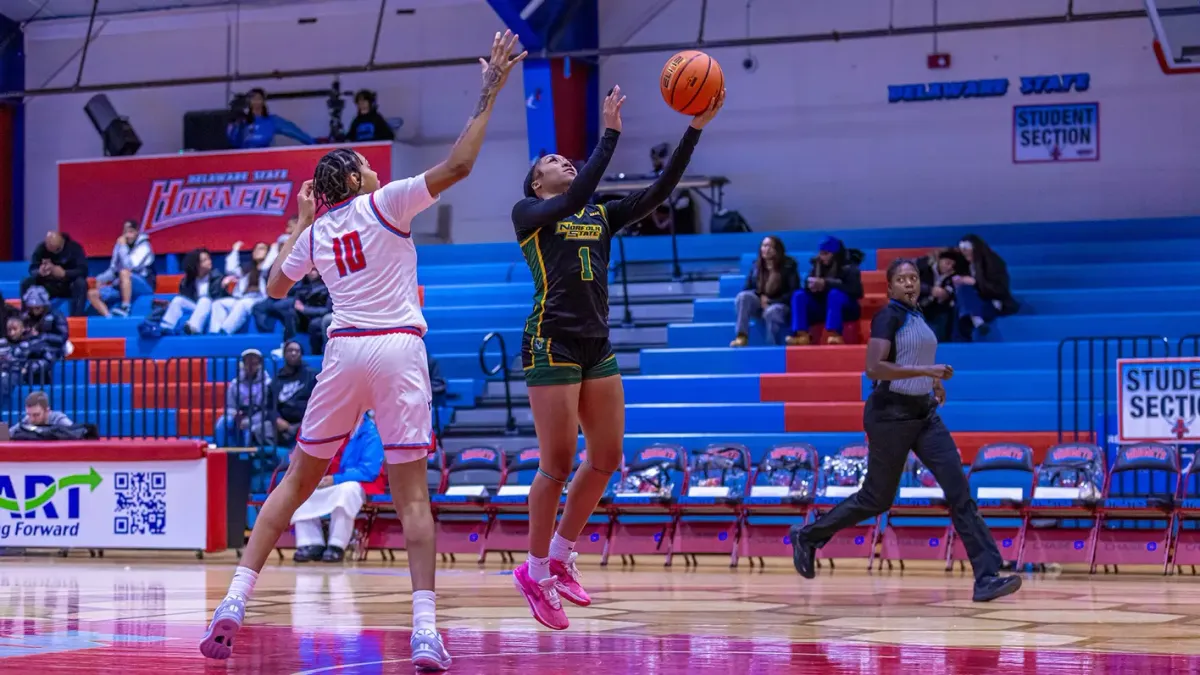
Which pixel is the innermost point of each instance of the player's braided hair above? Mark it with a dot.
(331, 183)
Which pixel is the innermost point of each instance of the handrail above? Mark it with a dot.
(627, 319)
(510, 425)
(1138, 346)
(1194, 338)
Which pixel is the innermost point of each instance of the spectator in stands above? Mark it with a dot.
(340, 496)
(772, 281)
(255, 127)
(44, 326)
(129, 276)
(39, 414)
(246, 405)
(831, 293)
(11, 355)
(309, 298)
(60, 266)
(368, 124)
(289, 393)
(273, 251)
(937, 303)
(200, 286)
(230, 313)
(984, 294)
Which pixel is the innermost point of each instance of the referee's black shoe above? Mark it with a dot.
(995, 586)
(804, 554)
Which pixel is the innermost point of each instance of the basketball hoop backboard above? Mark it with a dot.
(1176, 25)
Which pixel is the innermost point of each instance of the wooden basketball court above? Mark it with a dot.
(141, 614)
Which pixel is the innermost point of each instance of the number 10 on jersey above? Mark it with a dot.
(348, 254)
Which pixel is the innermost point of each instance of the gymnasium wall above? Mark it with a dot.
(808, 140)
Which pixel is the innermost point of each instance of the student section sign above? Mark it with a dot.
(1159, 400)
(160, 505)
(1056, 133)
(194, 199)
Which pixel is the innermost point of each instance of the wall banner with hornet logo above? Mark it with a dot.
(1159, 400)
(185, 201)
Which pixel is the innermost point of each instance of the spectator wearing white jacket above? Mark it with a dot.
(129, 276)
(230, 313)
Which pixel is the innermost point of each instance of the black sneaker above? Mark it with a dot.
(308, 554)
(121, 311)
(804, 554)
(990, 588)
(333, 554)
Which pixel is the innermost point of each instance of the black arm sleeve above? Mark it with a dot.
(638, 205)
(76, 266)
(886, 324)
(532, 213)
(850, 282)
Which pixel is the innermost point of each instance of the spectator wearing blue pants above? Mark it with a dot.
(769, 288)
(831, 293)
(129, 276)
(984, 295)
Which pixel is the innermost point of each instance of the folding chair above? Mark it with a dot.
(1060, 521)
(509, 529)
(841, 476)
(594, 538)
(1187, 535)
(644, 502)
(1137, 517)
(462, 516)
(710, 508)
(780, 496)
(918, 523)
(384, 531)
(1001, 481)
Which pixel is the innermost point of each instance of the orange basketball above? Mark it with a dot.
(690, 80)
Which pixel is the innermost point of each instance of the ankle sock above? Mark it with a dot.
(424, 610)
(539, 568)
(243, 582)
(560, 548)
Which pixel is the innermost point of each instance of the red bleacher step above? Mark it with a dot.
(162, 371)
(76, 327)
(875, 282)
(827, 416)
(826, 359)
(191, 395)
(98, 348)
(810, 387)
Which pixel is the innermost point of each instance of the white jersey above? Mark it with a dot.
(364, 251)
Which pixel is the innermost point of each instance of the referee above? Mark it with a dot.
(901, 415)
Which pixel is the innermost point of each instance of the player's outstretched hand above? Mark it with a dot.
(306, 202)
(714, 107)
(612, 109)
(497, 68)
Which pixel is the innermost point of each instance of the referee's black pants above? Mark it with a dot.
(896, 424)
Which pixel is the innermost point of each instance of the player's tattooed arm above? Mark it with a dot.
(278, 283)
(462, 157)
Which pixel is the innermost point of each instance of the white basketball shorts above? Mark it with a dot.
(385, 370)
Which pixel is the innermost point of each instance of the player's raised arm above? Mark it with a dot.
(293, 263)
(638, 205)
(532, 213)
(466, 149)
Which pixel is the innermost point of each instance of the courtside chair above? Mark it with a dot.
(710, 507)
(462, 509)
(780, 496)
(1060, 520)
(837, 479)
(644, 505)
(1187, 532)
(1001, 481)
(1137, 517)
(509, 530)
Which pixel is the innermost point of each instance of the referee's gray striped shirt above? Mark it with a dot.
(915, 346)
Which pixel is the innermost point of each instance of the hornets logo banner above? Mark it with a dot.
(185, 201)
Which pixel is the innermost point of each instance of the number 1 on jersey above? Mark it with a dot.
(585, 263)
(348, 254)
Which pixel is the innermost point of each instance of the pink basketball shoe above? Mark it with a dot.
(569, 584)
(542, 597)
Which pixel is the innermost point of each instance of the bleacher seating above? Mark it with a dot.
(684, 387)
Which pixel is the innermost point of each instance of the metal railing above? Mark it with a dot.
(627, 318)
(152, 398)
(1188, 345)
(510, 424)
(1080, 361)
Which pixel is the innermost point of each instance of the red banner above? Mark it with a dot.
(185, 201)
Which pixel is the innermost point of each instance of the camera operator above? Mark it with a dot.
(253, 126)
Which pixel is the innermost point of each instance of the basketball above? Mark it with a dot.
(690, 80)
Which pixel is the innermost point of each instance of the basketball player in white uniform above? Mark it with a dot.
(375, 359)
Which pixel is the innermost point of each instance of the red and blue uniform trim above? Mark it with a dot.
(322, 441)
(370, 332)
(384, 221)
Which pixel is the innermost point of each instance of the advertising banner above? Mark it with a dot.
(150, 505)
(1159, 400)
(189, 200)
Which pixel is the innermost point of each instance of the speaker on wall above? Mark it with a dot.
(115, 131)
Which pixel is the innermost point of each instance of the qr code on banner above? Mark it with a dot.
(141, 502)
